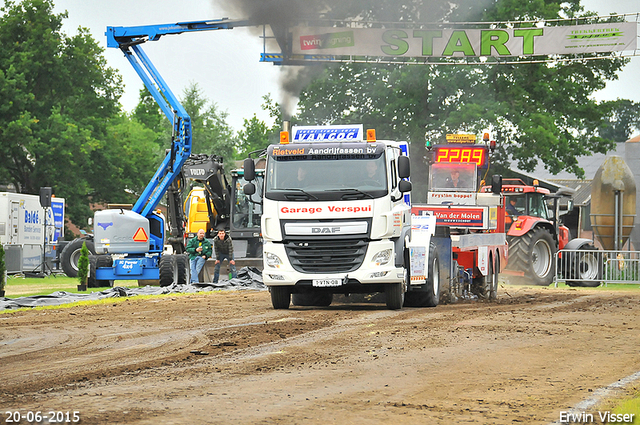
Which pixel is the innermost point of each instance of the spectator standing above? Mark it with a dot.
(224, 250)
(199, 249)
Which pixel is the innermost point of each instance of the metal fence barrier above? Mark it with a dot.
(591, 268)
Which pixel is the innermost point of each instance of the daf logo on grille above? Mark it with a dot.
(325, 230)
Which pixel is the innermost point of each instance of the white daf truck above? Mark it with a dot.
(337, 219)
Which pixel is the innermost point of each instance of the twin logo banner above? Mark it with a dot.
(466, 43)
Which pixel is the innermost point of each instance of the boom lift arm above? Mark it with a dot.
(129, 40)
(139, 234)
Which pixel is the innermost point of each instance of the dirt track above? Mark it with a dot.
(522, 359)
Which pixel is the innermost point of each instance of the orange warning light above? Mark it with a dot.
(371, 135)
(140, 236)
(284, 137)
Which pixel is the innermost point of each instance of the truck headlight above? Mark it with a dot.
(381, 258)
(272, 260)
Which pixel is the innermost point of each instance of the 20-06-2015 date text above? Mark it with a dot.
(51, 416)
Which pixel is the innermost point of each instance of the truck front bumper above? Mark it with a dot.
(278, 271)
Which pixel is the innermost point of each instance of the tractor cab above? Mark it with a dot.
(524, 202)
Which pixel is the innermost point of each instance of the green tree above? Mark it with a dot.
(253, 136)
(59, 113)
(274, 109)
(538, 112)
(83, 264)
(256, 134)
(211, 134)
(149, 114)
(622, 120)
(136, 156)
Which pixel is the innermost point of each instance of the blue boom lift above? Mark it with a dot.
(137, 235)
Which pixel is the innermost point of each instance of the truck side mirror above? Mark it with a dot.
(249, 189)
(404, 167)
(249, 170)
(404, 186)
(496, 184)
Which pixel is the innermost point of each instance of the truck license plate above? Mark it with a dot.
(324, 283)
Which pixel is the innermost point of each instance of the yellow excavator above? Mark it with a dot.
(214, 204)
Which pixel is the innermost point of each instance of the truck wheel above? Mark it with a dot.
(168, 270)
(534, 254)
(483, 285)
(323, 299)
(280, 297)
(429, 295)
(183, 269)
(394, 293)
(585, 265)
(70, 254)
(432, 295)
(493, 295)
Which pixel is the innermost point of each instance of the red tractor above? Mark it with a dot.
(534, 236)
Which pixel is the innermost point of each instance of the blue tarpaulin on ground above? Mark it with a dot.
(248, 278)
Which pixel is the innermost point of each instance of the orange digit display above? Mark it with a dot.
(468, 154)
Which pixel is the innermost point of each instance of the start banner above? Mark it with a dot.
(460, 43)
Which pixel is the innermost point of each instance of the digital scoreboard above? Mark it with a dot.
(461, 154)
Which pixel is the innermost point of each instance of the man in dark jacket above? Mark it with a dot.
(224, 250)
(199, 249)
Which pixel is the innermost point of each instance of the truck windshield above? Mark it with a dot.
(320, 179)
(452, 177)
(246, 214)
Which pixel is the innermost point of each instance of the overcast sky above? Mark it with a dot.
(226, 63)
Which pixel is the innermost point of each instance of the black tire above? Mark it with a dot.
(394, 293)
(70, 254)
(483, 285)
(280, 297)
(433, 293)
(493, 295)
(429, 295)
(103, 260)
(322, 299)
(168, 270)
(585, 266)
(534, 254)
(183, 269)
(91, 280)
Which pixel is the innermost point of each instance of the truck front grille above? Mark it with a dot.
(335, 256)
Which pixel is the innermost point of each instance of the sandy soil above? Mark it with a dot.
(228, 357)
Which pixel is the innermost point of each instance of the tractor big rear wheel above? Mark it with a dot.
(533, 254)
